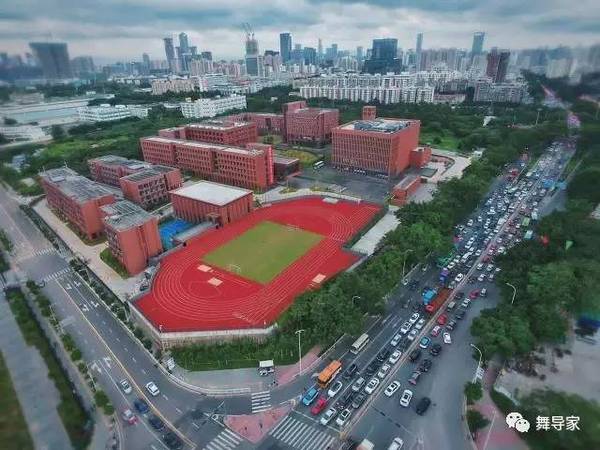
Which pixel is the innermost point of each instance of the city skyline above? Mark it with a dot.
(142, 27)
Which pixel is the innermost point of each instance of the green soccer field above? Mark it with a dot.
(262, 252)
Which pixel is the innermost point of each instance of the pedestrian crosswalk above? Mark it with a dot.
(58, 274)
(225, 440)
(261, 401)
(31, 253)
(302, 436)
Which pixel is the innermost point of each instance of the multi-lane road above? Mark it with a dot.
(112, 354)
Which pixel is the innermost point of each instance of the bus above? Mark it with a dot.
(525, 222)
(329, 373)
(319, 164)
(359, 344)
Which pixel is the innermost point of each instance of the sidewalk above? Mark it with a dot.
(497, 435)
(36, 392)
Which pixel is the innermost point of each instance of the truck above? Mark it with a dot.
(433, 304)
(428, 295)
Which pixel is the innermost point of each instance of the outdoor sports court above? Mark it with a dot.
(246, 274)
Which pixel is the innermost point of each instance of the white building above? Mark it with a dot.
(108, 113)
(500, 92)
(211, 107)
(24, 133)
(177, 85)
(385, 95)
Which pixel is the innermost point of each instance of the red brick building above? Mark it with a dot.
(132, 234)
(250, 167)
(211, 201)
(404, 189)
(76, 199)
(420, 156)
(302, 124)
(376, 146)
(369, 112)
(285, 167)
(109, 168)
(225, 132)
(266, 123)
(150, 187)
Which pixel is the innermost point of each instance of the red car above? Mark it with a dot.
(319, 406)
(474, 294)
(442, 319)
(487, 258)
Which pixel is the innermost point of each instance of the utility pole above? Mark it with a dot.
(299, 333)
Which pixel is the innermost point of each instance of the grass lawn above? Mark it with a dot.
(14, 433)
(110, 260)
(447, 141)
(306, 158)
(263, 251)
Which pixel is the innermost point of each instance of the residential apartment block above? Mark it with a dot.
(108, 113)
(211, 107)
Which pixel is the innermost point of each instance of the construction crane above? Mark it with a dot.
(249, 31)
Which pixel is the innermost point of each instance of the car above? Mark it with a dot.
(413, 319)
(487, 258)
(420, 324)
(395, 340)
(490, 277)
(405, 328)
(459, 295)
(483, 292)
(156, 423)
(372, 367)
(481, 277)
(372, 385)
(125, 386)
(435, 331)
(310, 396)
(335, 387)
(392, 388)
(319, 405)
(435, 349)
(172, 441)
(472, 279)
(423, 405)
(490, 267)
(452, 285)
(450, 306)
(414, 377)
(447, 338)
(424, 342)
(414, 355)
(384, 371)
(358, 400)
(345, 400)
(328, 416)
(460, 314)
(343, 417)
(425, 365)
(497, 269)
(395, 357)
(141, 406)
(383, 354)
(396, 444)
(442, 319)
(350, 371)
(406, 397)
(129, 417)
(451, 325)
(413, 334)
(459, 278)
(152, 389)
(474, 294)
(358, 384)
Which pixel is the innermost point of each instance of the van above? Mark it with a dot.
(266, 367)
(451, 306)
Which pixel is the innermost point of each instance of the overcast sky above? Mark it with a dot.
(123, 29)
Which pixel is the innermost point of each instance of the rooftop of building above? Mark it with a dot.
(206, 145)
(284, 160)
(310, 111)
(218, 125)
(150, 172)
(213, 193)
(74, 185)
(123, 215)
(112, 160)
(406, 181)
(379, 125)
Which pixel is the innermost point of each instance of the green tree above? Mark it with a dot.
(476, 420)
(473, 392)
(57, 132)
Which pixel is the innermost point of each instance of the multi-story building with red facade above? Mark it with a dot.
(420, 156)
(132, 234)
(375, 146)
(225, 132)
(266, 123)
(302, 124)
(250, 167)
(109, 169)
(404, 189)
(150, 187)
(76, 199)
(211, 201)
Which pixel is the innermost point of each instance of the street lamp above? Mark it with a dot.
(299, 333)
(480, 358)
(404, 263)
(514, 292)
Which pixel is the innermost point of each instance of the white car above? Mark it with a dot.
(481, 277)
(413, 319)
(358, 384)
(152, 388)
(490, 267)
(372, 385)
(125, 386)
(413, 334)
(335, 388)
(328, 416)
(395, 357)
(459, 277)
(407, 396)
(420, 324)
(383, 371)
(447, 338)
(480, 266)
(343, 417)
(396, 444)
(405, 328)
(395, 340)
(393, 387)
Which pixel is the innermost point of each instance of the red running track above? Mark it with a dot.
(182, 299)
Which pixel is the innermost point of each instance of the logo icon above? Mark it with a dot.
(512, 418)
(522, 425)
(515, 420)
